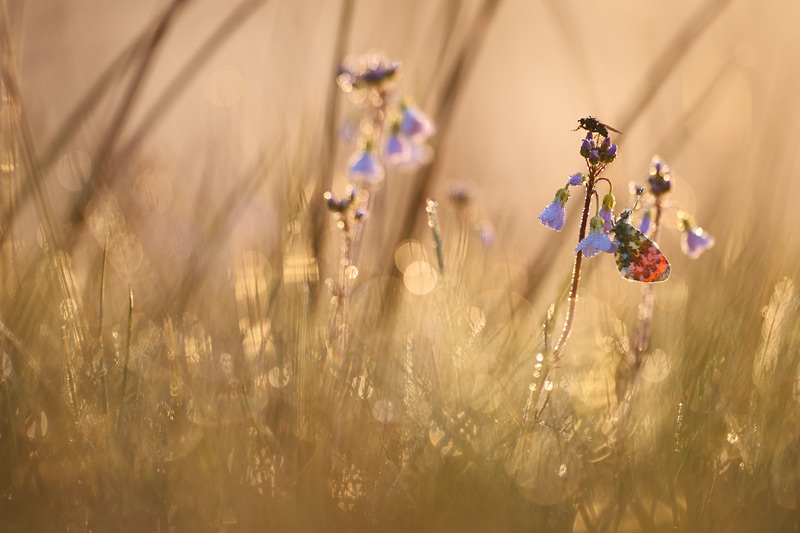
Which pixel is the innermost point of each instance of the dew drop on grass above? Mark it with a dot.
(732, 437)
(351, 272)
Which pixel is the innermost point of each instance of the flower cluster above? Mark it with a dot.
(694, 240)
(598, 152)
(346, 209)
(393, 130)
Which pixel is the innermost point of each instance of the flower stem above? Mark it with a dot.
(576, 272)
(536, 405)
(645, 313)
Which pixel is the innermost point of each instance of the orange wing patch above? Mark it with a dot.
(638, 258)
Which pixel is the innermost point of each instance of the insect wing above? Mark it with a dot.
(638, 258)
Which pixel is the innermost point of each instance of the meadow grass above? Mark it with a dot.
(184, 362)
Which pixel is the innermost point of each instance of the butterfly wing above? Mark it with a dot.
(638, 258)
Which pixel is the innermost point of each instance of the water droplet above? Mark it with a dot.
(351, 272)
(540, 357)
(548, 385)
(733, 438)
(532, 387)
(562, 471)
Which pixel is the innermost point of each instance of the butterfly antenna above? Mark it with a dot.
(639, 194)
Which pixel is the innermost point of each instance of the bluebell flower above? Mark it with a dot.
(371, 70)
(398, 148)
(659, 180)
(577, 179)
(606, 216)
(364, 167)
(695, 241)
(606, 212)
(597, 241)
(587, 145)
(554, 216)
(611, 154)
(415, 124)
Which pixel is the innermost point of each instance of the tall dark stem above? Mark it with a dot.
(576, 270)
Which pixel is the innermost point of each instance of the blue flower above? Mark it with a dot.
(577, 179)
(695, 241)
(606, 215)
(398, 148)
(554, 216)
(587, 145)
(364, 166)
(370, 70)
(597, 241)
(415, 124)
(659, 180)
(606, 212)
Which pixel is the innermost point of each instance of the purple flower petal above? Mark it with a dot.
(594, 243)
(695, 242)
(576, 179)
(606, 215)
(416, 125)
(398, 149)
(554, 216)
(364, 167)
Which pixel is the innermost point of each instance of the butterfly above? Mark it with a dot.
(638, 257)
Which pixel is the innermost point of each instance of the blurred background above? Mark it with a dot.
(172, 278)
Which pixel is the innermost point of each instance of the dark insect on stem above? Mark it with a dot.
(593, 125)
